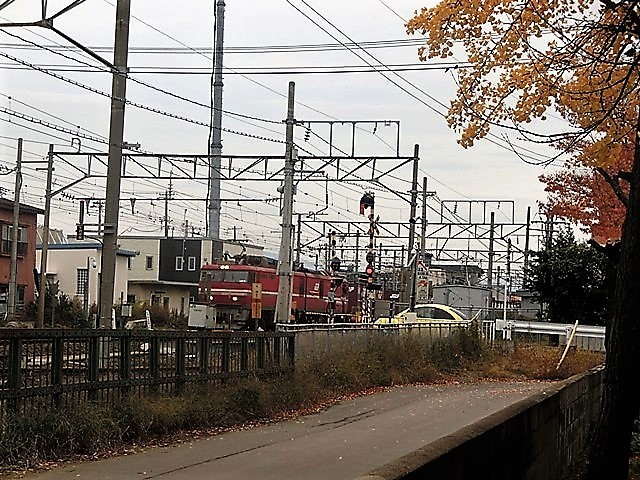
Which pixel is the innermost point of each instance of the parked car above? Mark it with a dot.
(425, 313)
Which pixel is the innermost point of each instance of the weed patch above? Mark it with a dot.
(46, 434)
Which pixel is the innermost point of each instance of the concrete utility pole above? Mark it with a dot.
(414, 200)
(526, 247)
(13, 269)
(45, 241)
(116, 132)
(283, 308)
(412, 229)
(215, 163)
(423, 227)
(298, 239)
(490, 267)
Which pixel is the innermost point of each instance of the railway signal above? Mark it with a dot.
(369, 271)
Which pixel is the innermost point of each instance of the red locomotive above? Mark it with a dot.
(234, 289)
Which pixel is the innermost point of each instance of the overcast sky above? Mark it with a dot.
(486, 171)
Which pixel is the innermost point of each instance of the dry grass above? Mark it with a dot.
(536, 362)
(95, 430)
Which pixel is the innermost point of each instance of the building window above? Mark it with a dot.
(129, 262)
(149, 262)
(192, 264)
(5, 240)
(179, 264)
(82, 274)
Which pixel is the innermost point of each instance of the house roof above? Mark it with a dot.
(163, 282)
(6, 204)
(86, 246)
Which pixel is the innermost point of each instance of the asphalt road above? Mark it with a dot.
(343, 442)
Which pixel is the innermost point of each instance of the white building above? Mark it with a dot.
(76, 267)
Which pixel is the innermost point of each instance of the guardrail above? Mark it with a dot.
(45, 367)
(589, 337)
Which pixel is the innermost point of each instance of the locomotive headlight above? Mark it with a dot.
(235, 299)
(210, 297)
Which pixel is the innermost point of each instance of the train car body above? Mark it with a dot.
(245, 296)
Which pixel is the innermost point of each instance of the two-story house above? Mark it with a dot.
(26, 261)
(76, 269)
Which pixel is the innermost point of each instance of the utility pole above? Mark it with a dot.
(490, 267)
(13, 269)
(114, 168)
(412, 229)
(167, 195)
(283, 307)
(298, 239)
(414, 200)
(357, 251)
(216, 127)
(423, 227)
(45, 241)
(526, 247)
(99, 217)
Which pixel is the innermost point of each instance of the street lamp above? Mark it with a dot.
(91, 263)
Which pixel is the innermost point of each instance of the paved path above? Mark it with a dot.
(343, 442)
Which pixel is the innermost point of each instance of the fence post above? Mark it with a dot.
(93, 366)
(226, 354)
(204, 357)
(125, 363)
(154, 361)
(244, 354)
(260, 347)
(56, 370)
(276, 350)
(180, 364)
(15, 356)
(292, 351)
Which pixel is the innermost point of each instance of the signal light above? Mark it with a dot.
(370, 257)
(369, 270)
(79, 231)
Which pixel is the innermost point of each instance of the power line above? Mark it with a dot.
(255, 49)
(135, 104)
(102, 69)
(495, 140)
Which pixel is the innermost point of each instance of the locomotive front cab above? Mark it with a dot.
(228, 288)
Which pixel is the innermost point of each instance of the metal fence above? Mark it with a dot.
(587, 337)
(313, 340)
(57, 367)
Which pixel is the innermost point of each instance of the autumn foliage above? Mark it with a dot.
(582, 195)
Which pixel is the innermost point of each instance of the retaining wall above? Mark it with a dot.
(535, 439)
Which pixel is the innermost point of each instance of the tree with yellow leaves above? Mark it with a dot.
(578, 59)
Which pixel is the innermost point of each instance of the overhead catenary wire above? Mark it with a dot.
(496, 140)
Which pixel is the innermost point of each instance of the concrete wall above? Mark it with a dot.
(535, 439)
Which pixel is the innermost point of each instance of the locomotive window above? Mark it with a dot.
(212, 276)
(236, 277)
